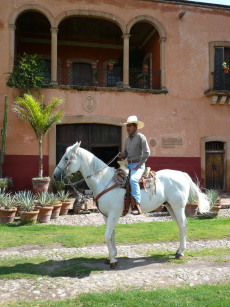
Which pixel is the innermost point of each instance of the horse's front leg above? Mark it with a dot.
(110, 238)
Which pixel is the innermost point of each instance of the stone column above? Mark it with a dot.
(54, 32)
(126, 60)
(162, 59)
(12, 45)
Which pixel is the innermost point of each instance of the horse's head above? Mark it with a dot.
(69, 163)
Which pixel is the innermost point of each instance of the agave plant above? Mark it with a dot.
(25, 200)
(47, 199)
(64, 196)
(213, 196)
(7, 200)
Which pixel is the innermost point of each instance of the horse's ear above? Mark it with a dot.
(76, 145)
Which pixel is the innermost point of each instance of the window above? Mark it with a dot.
(82, 74)
(221, 78)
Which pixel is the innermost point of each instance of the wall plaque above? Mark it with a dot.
(171, 142)
(90, 103)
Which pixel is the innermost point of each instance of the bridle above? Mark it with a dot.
(81, 180)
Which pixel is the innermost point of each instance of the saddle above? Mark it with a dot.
(121, 178)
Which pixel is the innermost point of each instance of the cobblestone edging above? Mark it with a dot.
(135, 268)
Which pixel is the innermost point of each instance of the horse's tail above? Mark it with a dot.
(196, 194)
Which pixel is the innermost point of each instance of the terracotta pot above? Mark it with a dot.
(29, 216)
(40, 185)
(66, 205)
(146, 68)
(226, 70)
(191, 210)
(111, 66)
(7, 215)
(44, 214)
(56, 211)
(216, 209)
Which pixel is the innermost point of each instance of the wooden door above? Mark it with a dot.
(104, 141)
(215, 170)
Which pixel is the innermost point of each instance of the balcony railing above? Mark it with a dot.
(105, 77)
(221, 80)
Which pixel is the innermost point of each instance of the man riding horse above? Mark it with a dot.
(137, 152)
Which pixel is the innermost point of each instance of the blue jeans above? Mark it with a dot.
(135, 176)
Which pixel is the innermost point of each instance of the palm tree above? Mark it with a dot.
(41, 117)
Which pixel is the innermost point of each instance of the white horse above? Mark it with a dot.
(172, 188)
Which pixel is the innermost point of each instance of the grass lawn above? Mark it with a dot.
(197, 296)
(77, 236)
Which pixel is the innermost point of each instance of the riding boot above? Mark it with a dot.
(136, 210)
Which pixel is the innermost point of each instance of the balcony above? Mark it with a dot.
(221, 80)
(86, 75)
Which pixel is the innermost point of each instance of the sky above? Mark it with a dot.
(225, 2)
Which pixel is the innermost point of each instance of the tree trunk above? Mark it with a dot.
(40, 157)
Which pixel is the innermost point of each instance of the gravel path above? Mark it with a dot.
(135, 269)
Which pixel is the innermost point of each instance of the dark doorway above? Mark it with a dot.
(104, 141)
(214, 165)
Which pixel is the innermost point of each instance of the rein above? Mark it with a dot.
(89, 176)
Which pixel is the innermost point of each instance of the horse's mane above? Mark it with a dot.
(94, 163)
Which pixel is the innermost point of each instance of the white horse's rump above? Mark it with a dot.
(172, 188)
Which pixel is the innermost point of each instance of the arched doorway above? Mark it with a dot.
(214, 165)
(104, 141)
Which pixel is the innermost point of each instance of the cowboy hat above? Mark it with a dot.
(133, 120)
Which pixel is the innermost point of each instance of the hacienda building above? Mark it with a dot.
(109, 59)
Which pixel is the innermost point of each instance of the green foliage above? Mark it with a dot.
(6, 183)
(143, 76)
(47, 199)
(63, 196)
(30, 72)
(25, 200)
(213, 196)
(58, 185)
(7, 200)
(40, 116)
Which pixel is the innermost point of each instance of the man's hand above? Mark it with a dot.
(120, 155)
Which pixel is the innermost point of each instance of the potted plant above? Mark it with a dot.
(6, 183)
(26, 204)
(225, 67)
(213, 196)
(7, 207)
(111, 64)
(143, 80)
(41, 117)
(64, 198)
(94, 64)
(45, 202)
(146, 68)
(58, 185)
(191, 207)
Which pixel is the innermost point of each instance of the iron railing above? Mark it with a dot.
(221, 80)
(105, 77)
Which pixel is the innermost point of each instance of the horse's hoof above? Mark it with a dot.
(179, 256)
(113, 265)
(107, 261)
